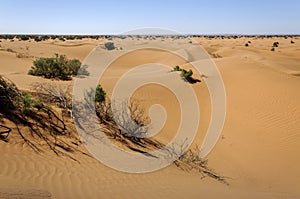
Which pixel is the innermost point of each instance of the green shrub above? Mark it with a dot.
(109, 45)
(177, 68)
(27, 102)
(8, 94)
(7, 37)
(292, 42)
(276, 44)
(187, 75)
(37, 39)
(273, 49)
(53, 37)
(70, 37)
(73, 66)
(37, 104)
(97, 96)
(100, 94)
(56, 67)
(23, 37)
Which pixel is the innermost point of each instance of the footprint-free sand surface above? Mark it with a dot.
(258, 150)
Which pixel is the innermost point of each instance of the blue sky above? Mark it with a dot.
(185, 16)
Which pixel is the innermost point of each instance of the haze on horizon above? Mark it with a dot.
(114, 17)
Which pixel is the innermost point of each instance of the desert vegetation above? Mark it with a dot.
(39, 38)
(128, 127)
(29, 118)
(186, 75)
(109, 45)
(34, 112)
(275, 44)
(248, 43)
(59, 67)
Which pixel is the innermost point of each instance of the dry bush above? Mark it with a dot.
(60, 96)
(127, 126)
(23, 55)
(10, 50)
(130, 117)
(188, 159)
(35, 119)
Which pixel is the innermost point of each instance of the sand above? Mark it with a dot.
(258, 150)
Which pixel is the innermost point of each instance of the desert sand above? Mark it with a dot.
(258, 151)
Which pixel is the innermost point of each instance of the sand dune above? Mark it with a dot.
(258, 151)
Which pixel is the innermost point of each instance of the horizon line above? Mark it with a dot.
(116, 35)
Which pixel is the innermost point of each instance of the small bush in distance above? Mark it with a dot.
(62, 39)
(177, 68)
(276, 44)
(23, 37)
(109, 46)
(37, 39)
(187, 75)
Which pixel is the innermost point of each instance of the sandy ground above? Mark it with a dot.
(258, 150)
